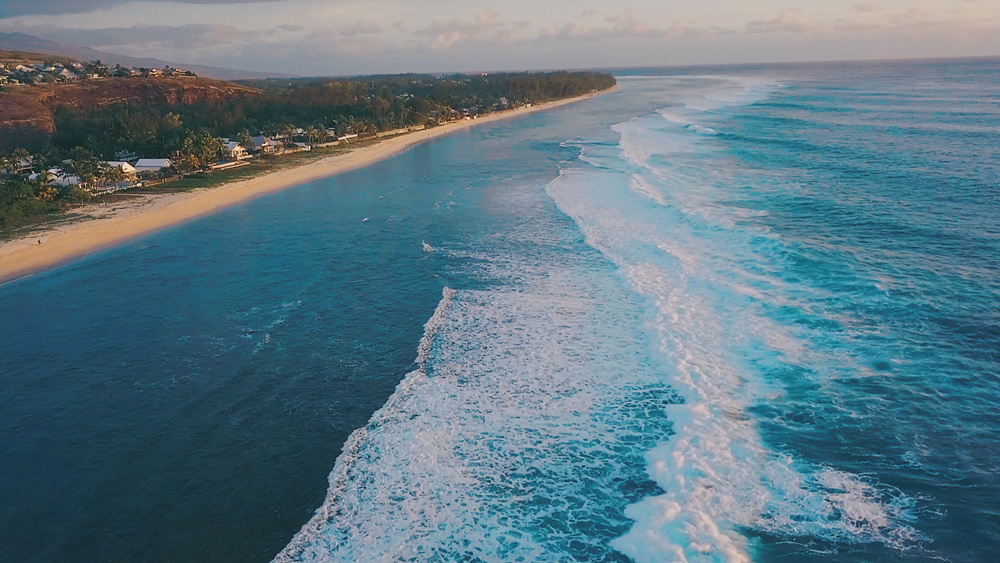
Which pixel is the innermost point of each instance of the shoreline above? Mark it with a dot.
(24, 256)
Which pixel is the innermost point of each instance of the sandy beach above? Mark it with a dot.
(24, 255)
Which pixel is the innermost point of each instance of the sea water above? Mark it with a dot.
(721, 314)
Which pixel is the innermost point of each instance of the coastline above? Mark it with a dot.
(24, 256)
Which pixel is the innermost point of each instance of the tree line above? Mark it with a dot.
(189, 133)
(349, 105)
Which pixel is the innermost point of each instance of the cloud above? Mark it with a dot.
(361, 27)
(485, 24)
(851, 26)
(626, 23)
(182, 38)
(867, 7)
(787, 22)
(11, 8)
(627, 26)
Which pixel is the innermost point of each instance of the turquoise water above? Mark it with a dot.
(722, 314)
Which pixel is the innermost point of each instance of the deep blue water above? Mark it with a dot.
(722, 314)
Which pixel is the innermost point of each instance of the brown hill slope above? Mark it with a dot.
(26, 112)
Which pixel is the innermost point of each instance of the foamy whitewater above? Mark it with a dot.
(732, 376)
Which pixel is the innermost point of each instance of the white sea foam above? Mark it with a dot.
(644, 187)
(717, 473)
(538, 404)
(512, 440)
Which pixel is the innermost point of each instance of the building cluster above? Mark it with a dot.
(128, 171)
(107, 176)
(297, 140)
(12, 73)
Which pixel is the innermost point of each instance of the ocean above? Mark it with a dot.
(722, 314)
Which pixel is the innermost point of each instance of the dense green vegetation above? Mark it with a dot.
(188, 133)
(22, 199)
(354, 105)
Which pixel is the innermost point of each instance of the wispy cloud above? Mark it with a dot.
(486, 24)
(868, 7)
(787, 22)
(361, 27)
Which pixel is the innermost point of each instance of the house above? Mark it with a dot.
(66, 180)
(126, 156)
(126, 168)
(264, 145)
(23, 165)
(152, 164)
(236, 150)
(58, 177)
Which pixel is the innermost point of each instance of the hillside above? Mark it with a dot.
(23, 42)
(27, 114)
(8, 57)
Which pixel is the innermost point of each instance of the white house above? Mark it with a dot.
(58, 177)
(236, 150)
(66, 180)
(127, 169)
(264, 145)
(23, 165)
(152, 164)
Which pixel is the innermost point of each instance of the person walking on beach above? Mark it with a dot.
(39, 241)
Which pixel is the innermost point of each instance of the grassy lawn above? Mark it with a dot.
(256, 167)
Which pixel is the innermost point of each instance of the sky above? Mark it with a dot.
(341, 37)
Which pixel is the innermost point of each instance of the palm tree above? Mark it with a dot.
(111, 175)
(46, 191)
(351, 126)
(18, 155)
(313, 134)
(244, 139)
